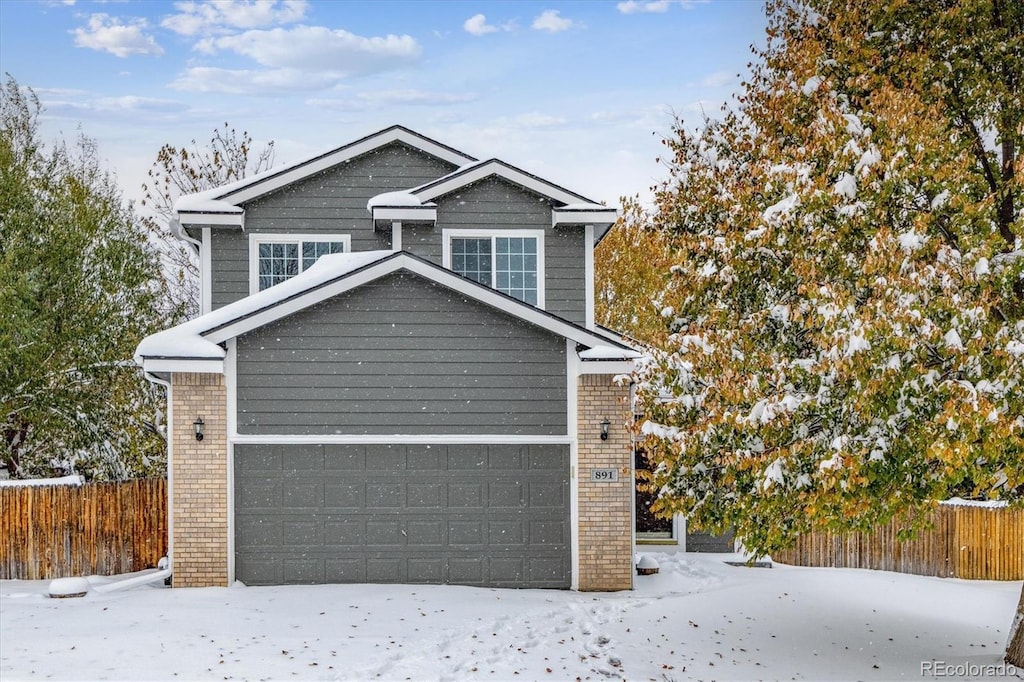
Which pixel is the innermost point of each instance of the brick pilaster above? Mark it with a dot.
(605, 509)
(199, 478)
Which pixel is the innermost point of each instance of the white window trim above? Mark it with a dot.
(257, 238)
(448, 234)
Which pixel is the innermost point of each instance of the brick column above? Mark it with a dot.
(199, 481)
(605, 509)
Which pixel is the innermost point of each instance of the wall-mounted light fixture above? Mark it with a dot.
(198, 424)
(605, 425)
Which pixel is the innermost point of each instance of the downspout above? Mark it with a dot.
(180, 233)
(169, 567)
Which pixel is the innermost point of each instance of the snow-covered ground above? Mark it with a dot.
(699, 618)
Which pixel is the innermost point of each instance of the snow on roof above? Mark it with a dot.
(186, 340)
(205, 202)
(393, 199)
(608, 353)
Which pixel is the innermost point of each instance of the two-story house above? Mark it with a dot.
(396, 377)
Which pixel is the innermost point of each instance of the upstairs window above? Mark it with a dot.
(510, 261)
(276, 258)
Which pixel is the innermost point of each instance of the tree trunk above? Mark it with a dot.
(1015, 645)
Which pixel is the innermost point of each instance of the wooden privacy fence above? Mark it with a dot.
(965, 541)
(94, 529)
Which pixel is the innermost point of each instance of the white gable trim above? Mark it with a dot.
(576, 216)
(223, 218)
(404, 261)
(412, 214)
(276, 179)
(197, 365)
(494, 167)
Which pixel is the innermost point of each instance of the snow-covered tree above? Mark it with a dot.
(186, 170)
(79, 286)
(846, 300)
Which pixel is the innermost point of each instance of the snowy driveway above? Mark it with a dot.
(697, 619)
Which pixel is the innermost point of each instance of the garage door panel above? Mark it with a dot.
(258, 493)
(466, 458)
(384, 570)
(298, 494)
(427, 533)
(466, 570)
(425, 458)
(554, 533)
(505, 571)
(344, 457)
(505, 494)
(384, 533)
(403, 514)
(302, 532)
(385, 496)
(302, 571)
(546, 457)
(341, 495)
(466, 495)
(429, 571)
(385, 458)
(340, 570)
(428, 495)
(506, 458)
(344, 533)
(544, 494)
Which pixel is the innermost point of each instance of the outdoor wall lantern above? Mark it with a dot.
(605, 425)
(198, 423)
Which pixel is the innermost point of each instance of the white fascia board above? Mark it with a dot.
(400, 438)
(203, 218)
(280, 178)
(606, 367)
(485, 170)
(411, 214)
(606, 216)
(588, 276)
(193, 365)
(427, 270)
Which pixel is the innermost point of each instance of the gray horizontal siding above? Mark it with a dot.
(496, 204)
(332, 202)
(401, 355)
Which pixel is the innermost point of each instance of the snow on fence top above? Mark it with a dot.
(40, 482)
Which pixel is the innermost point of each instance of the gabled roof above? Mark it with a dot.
(417, 204)
(226, 199)
(195, 345)
(475, 172)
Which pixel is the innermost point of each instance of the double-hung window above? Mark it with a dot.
(511, 261)
(276, 258)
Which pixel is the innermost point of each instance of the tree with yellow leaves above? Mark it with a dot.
(845, 304)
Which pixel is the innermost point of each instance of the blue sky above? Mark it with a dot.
(577, 92)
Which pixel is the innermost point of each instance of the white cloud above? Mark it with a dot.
(253, 82)
(108, 34)
(551, 20)
(654, 6)
(634, 7)
(196, 18)
(718, 79)
(377, 99)
(478, 26)
(316, 48)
